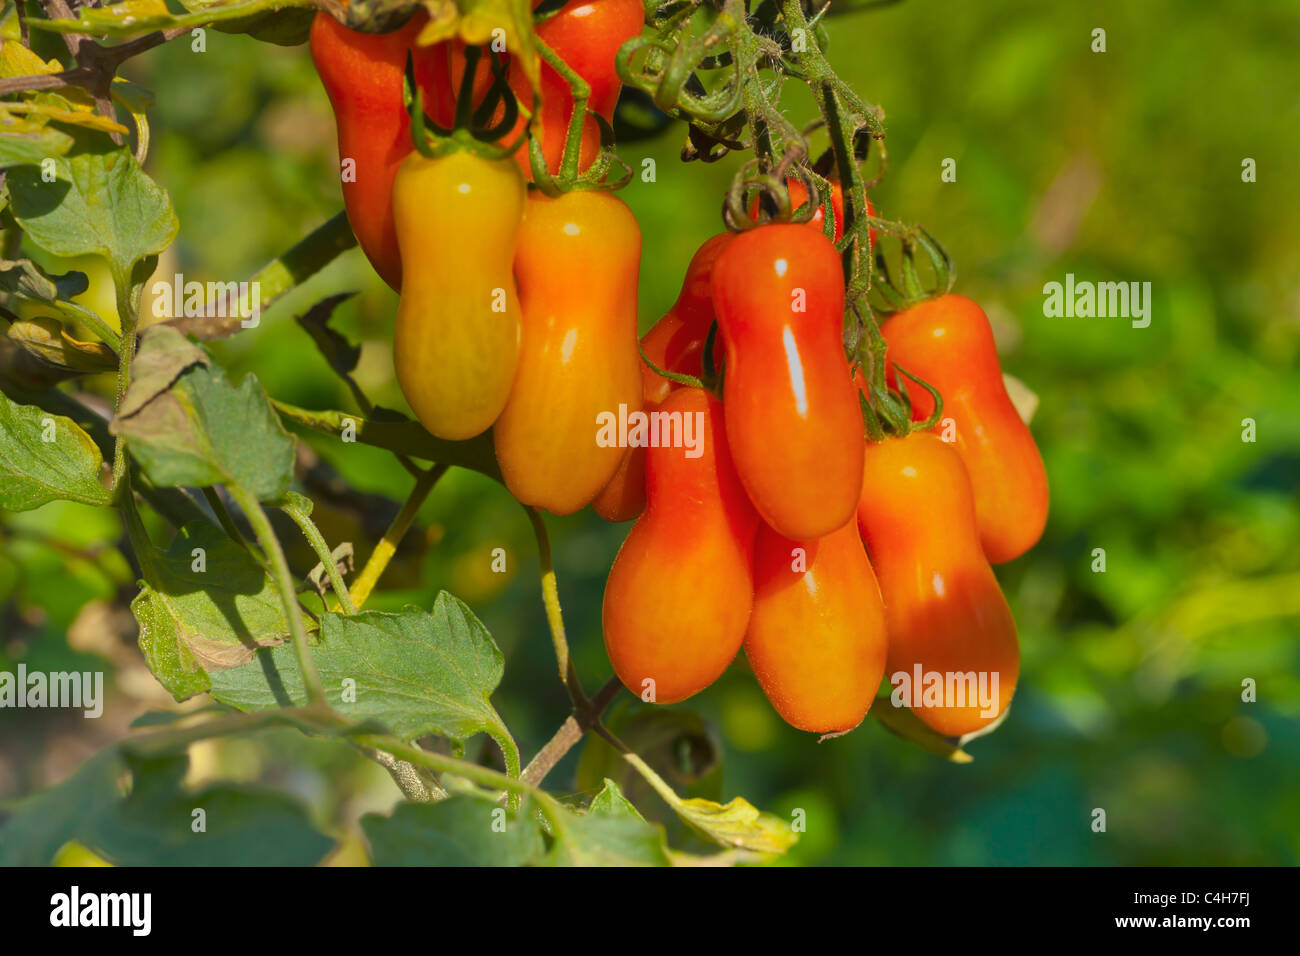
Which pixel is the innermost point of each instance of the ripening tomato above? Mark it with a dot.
(678, 596)
(586, 35)
(816, 637)
(793, 417)
(675, 344)
(948, 343)
(363, 77)
(456, 339)
(576, 267)
(945, 613)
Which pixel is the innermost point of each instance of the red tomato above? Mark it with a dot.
(675, 344)
(793, 417)
(678, 597)
(816, 638)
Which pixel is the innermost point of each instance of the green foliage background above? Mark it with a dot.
(1116, 166)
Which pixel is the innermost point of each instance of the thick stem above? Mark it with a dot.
(571, 731)
(321, 247)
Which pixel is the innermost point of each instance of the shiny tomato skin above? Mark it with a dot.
(948, 343)
(816, 638)
(675, 343)
(576, 266)
(678, 596)
(794, 420)
(362, 74)
(944, 610)
(457, 333)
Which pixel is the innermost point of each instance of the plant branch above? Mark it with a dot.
(554, 616)
(387, 546)
(571, 731)
(317, 542)
(284, 584)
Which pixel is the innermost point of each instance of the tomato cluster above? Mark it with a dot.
(363, 76)
(765, 518)
(832, 560)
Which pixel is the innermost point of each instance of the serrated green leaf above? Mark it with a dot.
(414, 672)
(101, 203)
(195, 622)
(611, 802)
(465, 830)
(201, 430)
(606, 837)
(34, 471)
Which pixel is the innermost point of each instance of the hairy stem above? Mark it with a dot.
(261, 525)
(317, 542)
(554, 616)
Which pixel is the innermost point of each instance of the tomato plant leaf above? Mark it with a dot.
(48, 342)
(154, 825)
(465, 830)
(43, 822)
(100, 203)
(45, 457)
(415, 672)
(611, 833)
(200, 430)
(611, 802)
(26, 278)
(137, 17)
(736, 824)
(26, 139)
(206, 606)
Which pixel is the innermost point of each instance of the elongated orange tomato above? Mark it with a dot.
(793, 417)
(675, 343)
(948, 343)
(456, 338)
(816, 638)
(576, 270)
(678, 596)
(947, 619)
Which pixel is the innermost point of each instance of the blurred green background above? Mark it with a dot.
(1116, 166)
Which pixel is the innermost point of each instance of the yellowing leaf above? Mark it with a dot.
(736, 825)
(85, 118)
(45, 337)
(476, 22)
(17, 60)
